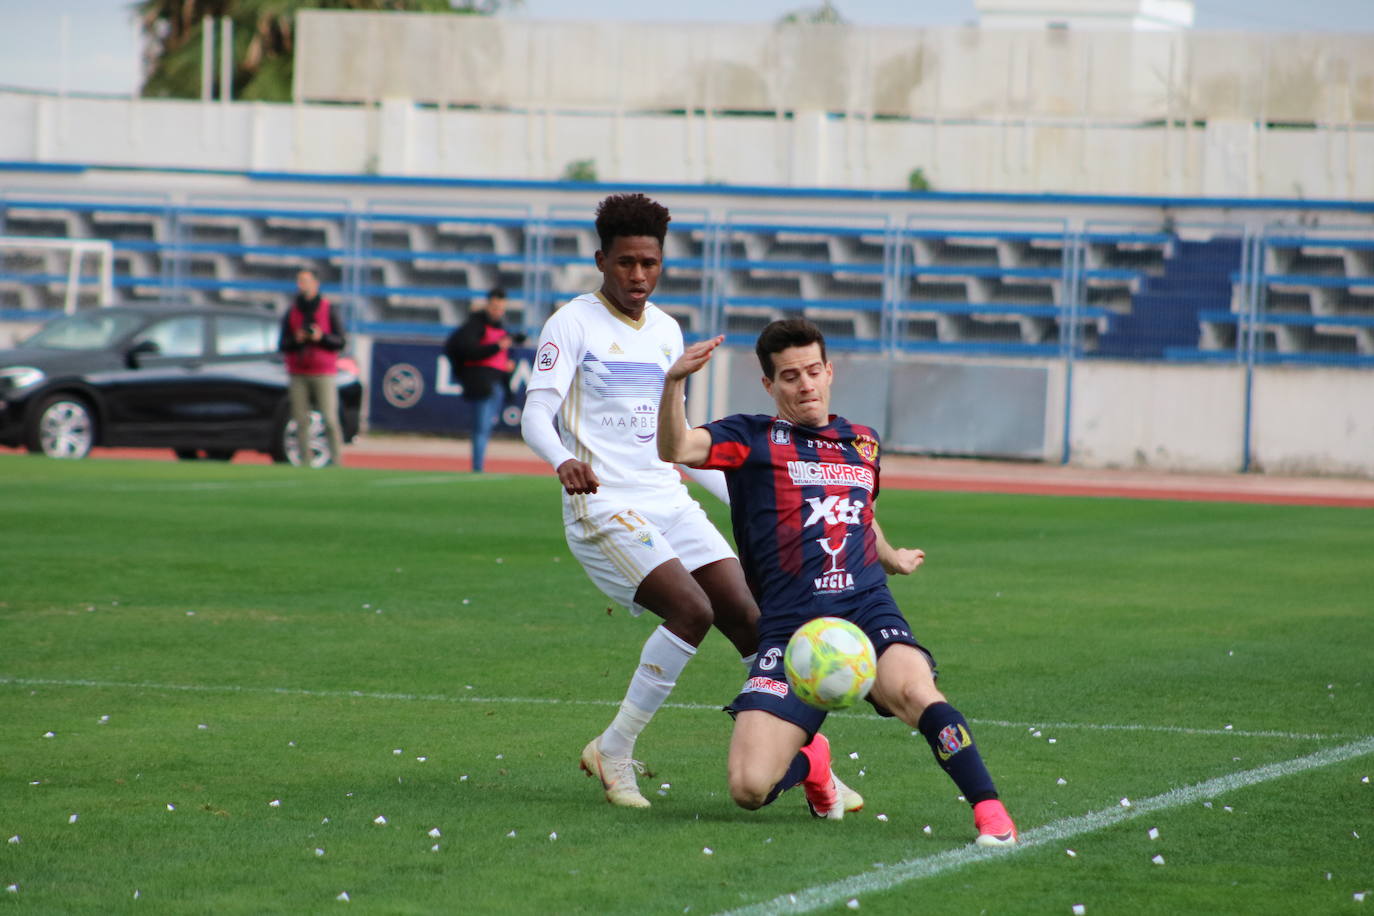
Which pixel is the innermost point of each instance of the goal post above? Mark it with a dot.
(74, 278)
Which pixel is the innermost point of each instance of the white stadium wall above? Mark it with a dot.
(1174, 418)
(811, 149)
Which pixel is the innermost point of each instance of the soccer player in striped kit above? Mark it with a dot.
(802, 487)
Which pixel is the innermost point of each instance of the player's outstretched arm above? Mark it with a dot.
(897, 561)
(678, 442)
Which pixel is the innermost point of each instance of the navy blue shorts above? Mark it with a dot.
(766, 687)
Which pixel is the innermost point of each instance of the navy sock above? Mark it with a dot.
(796, 772)
(947, 732)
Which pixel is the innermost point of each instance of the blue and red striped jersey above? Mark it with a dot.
(801, 505)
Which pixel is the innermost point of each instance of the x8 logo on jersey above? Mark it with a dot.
(834, 511)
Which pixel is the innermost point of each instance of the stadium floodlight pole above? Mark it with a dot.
(207, 57)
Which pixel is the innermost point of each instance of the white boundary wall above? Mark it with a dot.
(810, 149)
(1192, 418)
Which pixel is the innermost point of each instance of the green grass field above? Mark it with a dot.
(215, 679)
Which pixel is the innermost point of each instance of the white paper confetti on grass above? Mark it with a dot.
(853, 755)
(343, 897)
(1359, 896)
(554, 835)
(1125, 803)
(1158, 860)
(397, 751)
(137, 893)
(422, 759)
(380, 820)
(1227, 808)
(274, 803)
(1079, 909)
(883, 818)
(1365, 780)
(171, 807)
(434, 848)
(15, 838)
(104, 719)
(50, 734)
(926, 830)
(853, 903)
(1154, 833)
(1054, 741)
(435, 833)
(1061, 781)
(707, 851)
(511, 834)
(319, 851)
(203, 727)
(1071, 854)
(12, 888)
(72, 819)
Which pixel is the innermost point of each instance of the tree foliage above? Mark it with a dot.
(264, 40)
(825, 14)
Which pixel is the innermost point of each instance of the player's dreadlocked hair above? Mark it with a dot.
(630, 214)
(780, 335)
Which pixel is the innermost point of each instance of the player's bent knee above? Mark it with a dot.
(748, 794)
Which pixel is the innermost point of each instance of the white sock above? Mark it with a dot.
(661, 661)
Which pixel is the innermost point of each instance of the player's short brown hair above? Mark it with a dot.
(780, 335)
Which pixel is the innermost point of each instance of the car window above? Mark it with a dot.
(244, 334)
(83, 331)
(182, 336)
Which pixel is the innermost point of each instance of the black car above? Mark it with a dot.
(204, 382)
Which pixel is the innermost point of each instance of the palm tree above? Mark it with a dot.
(264, 39)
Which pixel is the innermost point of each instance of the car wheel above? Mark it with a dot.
(287, 447)
(186, 454)
(63, 427)
(219, 454)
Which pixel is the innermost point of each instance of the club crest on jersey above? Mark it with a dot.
(547, 357)
(866, 446)
(951, 740)
(782, 433)
(667, 352)
(644, 538)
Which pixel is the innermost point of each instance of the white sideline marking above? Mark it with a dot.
(548, 701)
(824, 895)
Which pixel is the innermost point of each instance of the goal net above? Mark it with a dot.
(51, 274)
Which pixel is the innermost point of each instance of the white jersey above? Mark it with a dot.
(609, 372)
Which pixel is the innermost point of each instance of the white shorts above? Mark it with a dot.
(619, 542)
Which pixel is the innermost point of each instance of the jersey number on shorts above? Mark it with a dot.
(630, 519)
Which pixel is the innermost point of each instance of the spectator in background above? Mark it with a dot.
(312, 338)
(479, 352)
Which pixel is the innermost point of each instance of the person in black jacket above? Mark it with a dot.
(479, 352)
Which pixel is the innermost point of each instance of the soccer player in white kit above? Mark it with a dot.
(628, 518)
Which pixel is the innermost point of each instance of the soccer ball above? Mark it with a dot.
(830, 663)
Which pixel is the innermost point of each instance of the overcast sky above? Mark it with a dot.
(101, 44)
